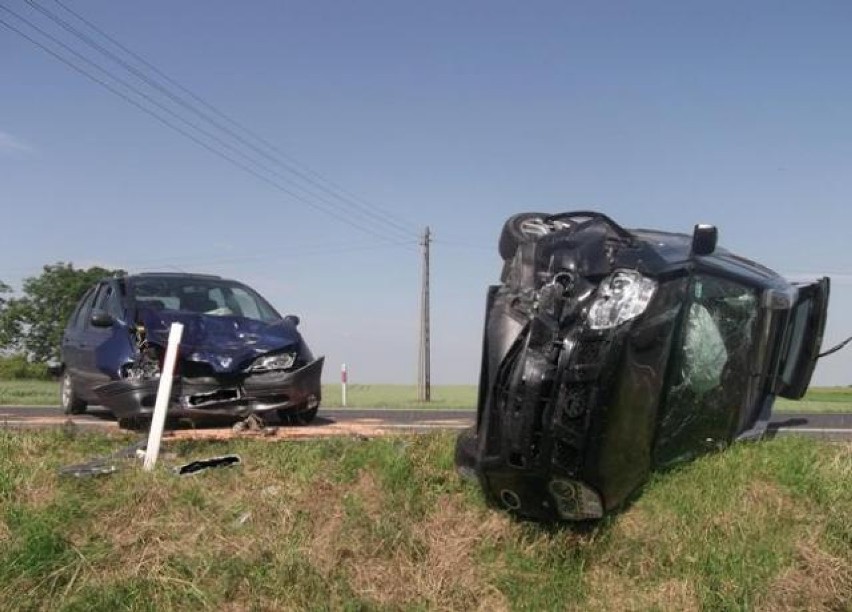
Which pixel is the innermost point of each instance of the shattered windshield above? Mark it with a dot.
(203, 296)
(709, 373)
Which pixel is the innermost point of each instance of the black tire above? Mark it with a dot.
(465, 454)
(286, 417)
(131, 423)
(68, 398)
(513, 233)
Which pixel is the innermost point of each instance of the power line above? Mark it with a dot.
(300, 251)
(462, 245)
(194, 126)
(292, 167)
(168, 123)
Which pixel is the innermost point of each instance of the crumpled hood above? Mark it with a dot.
(227, 343)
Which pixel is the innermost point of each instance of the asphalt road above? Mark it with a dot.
(376, 421)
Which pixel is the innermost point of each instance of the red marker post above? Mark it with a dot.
(343, 377)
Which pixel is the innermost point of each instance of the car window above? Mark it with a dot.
(248, 307)
(109, 302)
(86, 308)
(710, 372)
(97, 303)
(799, 323)
(76, 320)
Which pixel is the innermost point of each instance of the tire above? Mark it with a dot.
(68, 398)
(131, 423)
(514, 233)
(465, 454)
(300, 418)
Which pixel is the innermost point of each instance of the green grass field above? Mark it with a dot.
(386, 524)
(45, 393)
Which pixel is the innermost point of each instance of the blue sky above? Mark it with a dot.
(451, 114)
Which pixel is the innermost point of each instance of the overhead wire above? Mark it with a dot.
(331, 185)
(201, 130)
(462, 245)
(297, 253)
(379, 215)
(329, 208)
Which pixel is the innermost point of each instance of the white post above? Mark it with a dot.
(164, 392)
(343, 377)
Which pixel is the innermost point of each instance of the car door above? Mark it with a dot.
(105, 347)
(803, 339)
(112, 344)
(72, 339)
(90, 336)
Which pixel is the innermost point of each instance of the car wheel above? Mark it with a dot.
(131, 423)
(71, 403)
(465, 455)
(300, 418)
(518, 229)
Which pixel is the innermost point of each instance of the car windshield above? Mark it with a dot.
(201, 295)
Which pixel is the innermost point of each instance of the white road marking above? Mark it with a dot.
(836, 430)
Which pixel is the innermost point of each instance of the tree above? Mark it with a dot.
(33, 323)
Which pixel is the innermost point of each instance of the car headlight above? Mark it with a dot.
(622, 296)
(281, 361)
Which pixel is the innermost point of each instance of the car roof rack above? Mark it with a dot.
(174, 275)
(178, 274)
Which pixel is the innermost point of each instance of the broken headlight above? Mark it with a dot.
(622, 296)
(280, 361)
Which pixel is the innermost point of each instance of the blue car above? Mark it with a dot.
(237, 356)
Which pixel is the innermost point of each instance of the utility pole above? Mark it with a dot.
(424, 384)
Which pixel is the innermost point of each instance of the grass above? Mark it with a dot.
(46, 393)
(29, 393)
(400, 396)
(385, 524)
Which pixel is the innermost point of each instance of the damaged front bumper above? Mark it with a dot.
(290, 392)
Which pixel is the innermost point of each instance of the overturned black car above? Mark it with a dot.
(237, 356)
(609, 353)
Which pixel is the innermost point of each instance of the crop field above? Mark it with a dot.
(350, 524)
(46, 393)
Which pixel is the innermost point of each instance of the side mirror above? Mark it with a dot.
(101, 318)
(704, 238)
(292, 320)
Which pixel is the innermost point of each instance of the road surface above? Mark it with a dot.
(376, 421)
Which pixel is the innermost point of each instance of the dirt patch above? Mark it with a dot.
(609, 590)
(429, 562)
(329, 430)
(446, 576)
(818, 581)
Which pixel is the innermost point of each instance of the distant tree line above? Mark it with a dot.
(32, 322)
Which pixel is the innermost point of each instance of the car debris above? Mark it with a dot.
(200, 465)
(253, 424)
(110, 464)
(238, 356)
(609, 353)
(102, 466)
(89, 468)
